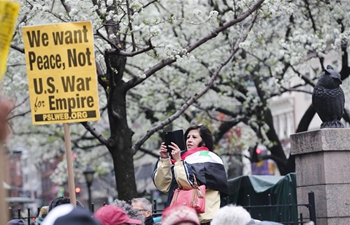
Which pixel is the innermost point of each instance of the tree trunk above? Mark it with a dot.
(277, 149)
(306, 119)
(120, 143)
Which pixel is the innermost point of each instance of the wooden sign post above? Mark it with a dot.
(71, 182)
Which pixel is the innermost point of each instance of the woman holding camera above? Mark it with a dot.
(197, 160)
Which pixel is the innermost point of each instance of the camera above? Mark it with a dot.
(176, 136)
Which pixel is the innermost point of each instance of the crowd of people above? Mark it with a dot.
(139, 212)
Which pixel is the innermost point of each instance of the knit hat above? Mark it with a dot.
(67, 214)
(179, 213)
(42, 214)
(15, 222)
(61, 201)
(113, 215)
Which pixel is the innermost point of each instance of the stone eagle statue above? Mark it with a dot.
(328, 99)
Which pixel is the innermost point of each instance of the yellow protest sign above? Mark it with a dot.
(8, 17)
(61, 71)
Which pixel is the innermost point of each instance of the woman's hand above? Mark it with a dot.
(162, 151)
(176, 152)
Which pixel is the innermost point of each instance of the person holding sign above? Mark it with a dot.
(199, 160)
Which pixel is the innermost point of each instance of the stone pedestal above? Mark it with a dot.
(322, 159)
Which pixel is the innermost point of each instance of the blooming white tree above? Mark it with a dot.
(285, 53)
(153, 61)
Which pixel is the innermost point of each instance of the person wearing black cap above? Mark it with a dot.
(60, 201)
(67, 214)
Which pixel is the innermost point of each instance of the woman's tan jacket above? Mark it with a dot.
(163, 180)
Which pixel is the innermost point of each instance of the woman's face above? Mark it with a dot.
(193, 139)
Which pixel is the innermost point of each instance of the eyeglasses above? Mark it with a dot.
(141, 210)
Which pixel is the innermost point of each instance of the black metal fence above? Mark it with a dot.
(31, 215)
(274, 212)
(29, 219)
(290, 211)
(260, 212)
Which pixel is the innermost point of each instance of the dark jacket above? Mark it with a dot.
(149, 220)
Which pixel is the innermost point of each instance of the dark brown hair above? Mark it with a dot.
(205, 134)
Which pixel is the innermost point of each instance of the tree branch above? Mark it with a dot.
(187, 104)
(94, 133)
(21, 50)
(196, 44)
(149, 153)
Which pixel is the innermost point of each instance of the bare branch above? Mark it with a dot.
(310, 15)
(66, 7)
(131, 54)
(295, 90)
(107, 40)
(149, 153)
(18, 105)
(149, 3)
(303, 77)
(21, 50)
(19, 115)
(130, 26)
(94, 133)
(99, 13)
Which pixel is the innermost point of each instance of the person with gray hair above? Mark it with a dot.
(236, 215)
(231, 215)
(129, 210)
(145, 208)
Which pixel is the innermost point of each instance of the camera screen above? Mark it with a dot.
(177, 137)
